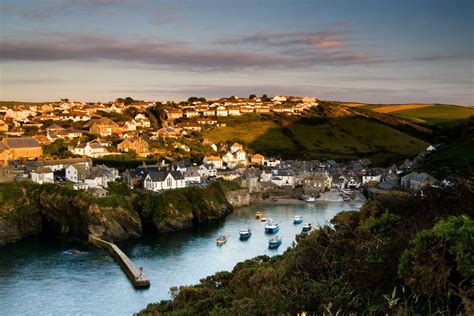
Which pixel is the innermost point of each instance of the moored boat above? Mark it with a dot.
(307, 227)
(245, 233)
(222, 239)
(271, 227)
(274, 242)
(297, 219)
(258, 215)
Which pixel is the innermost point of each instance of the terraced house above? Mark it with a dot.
(103, 127)
(22, 148)
(136, 144)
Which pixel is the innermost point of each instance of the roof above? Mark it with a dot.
(43, 170)
(22, 142)
(160, 176)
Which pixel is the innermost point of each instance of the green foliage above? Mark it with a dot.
(353, 266)
(57, 149)
(440, 263)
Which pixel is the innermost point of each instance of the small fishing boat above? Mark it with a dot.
(271, 227)
(245, 233)
(222, 239)
(307, 227)
(297, 219)
(258, 215)
(309, 198)
(264, 219)
(274, 243)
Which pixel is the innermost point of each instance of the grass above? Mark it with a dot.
(453, 158)
(258, 134)
(400, 107)
(440, 114)
(342, 138)
(356, 137)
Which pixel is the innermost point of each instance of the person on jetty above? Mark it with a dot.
(141, 272)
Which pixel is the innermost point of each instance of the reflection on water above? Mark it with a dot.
(40, 277)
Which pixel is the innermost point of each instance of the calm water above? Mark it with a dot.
(41, 278)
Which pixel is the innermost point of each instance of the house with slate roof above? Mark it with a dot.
(42, 175)
(22, 147)
(164, 180)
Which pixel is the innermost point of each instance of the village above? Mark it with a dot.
(89, 131)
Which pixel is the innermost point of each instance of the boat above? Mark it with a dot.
(258, 215)
(297, 219)
(274, 243)
(222, 239)
(307, 227)
(245, 233)
(271, 227)
(346, 198)
(265, 219)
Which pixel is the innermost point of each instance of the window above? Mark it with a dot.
(169, 182)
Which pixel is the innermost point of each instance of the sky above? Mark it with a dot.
(373, 51)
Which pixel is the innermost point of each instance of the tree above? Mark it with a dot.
(195, 99)
(128, 100)
(252, 96)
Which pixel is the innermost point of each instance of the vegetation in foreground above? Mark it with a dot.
(406, 256)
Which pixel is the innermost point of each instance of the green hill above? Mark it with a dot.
(438, 114)
(441, 115)
(342, 137)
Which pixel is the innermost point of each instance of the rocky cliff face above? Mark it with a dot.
(27, 209)
(238, 198)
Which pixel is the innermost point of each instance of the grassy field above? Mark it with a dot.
(258, 133)
(441, 115)
(452, 159)
(400, 107)
(347, 138)
(333, 138)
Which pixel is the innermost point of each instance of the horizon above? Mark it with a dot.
(368, 52)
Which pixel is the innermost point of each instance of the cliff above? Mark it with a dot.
(27, 209)
(238, 198)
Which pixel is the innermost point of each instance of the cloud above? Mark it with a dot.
(47, 9)
(90, 48)
(81, 47)
(329, 46)
(283, 39)
(450, 56)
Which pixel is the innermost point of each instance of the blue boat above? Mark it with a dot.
(245, 233)
(274, 243)
(271, 227)
(297, 219)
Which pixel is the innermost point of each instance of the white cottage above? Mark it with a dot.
(164, 180)
(42, 175)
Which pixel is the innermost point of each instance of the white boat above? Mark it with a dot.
(245, 233)
(307, 227)
(222, 239)
(264, 219)
(274, 243)
(310, 198)
(272, 227)
(297, 219)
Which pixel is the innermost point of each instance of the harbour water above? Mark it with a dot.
(39, 277)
